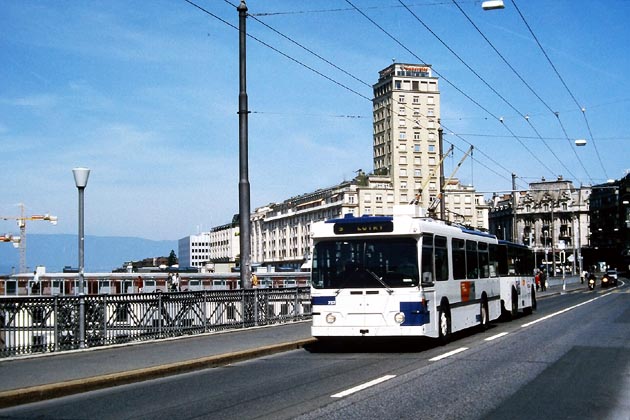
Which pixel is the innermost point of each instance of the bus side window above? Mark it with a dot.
(427, 259)
(472, 263)
(459, 259)
(484, 264)
(441, 259)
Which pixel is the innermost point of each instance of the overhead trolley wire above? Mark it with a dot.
(524, 82)
(452, 84)
(354, 77)
(582, 109)
(278, 51)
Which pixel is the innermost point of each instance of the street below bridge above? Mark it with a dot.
(570, 359)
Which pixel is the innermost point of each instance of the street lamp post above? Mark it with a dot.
(81, 176)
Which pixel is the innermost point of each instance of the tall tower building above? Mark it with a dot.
(406, 108)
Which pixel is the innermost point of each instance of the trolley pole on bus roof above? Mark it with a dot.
(243, 185)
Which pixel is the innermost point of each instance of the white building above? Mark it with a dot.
(220, 245)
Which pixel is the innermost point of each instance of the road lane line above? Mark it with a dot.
(450, 353)
(363, 386)
(564, 310)
(494, 337)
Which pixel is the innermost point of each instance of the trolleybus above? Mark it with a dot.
(408, 275)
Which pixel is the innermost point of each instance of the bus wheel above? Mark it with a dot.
(445, 324)
(514, 310)
(484, 317)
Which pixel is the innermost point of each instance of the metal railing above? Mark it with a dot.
(41, 324)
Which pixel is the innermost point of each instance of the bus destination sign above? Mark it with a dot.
(363, 227)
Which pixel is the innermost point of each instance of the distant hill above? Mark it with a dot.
(102, 253)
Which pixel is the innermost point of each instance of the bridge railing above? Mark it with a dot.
(40, 324)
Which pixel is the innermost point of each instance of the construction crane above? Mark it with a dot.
(438, 198)
(21, 221)
(15, 240)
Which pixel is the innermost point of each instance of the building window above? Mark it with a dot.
(401, 99)
(416, 99)
(416, 148)
(417, 172)
(432, 148)
(403, 172)
(402, 135)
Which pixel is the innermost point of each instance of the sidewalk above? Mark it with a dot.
(571, 283)
(51, 375)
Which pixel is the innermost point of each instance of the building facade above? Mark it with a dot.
(207, 249)
(406, 115)
(551, 217)
(610, 223)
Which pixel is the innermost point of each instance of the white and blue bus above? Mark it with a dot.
(407, 275)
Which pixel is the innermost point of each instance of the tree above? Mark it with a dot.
(172, 259)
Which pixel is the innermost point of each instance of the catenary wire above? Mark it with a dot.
(565, 86)
(357, 93)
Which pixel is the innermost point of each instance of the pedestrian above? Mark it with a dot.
(169, 282)
(543, 281)
(176, 282)
(537, 278)
(35, 284)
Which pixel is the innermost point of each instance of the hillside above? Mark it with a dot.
(102, 253)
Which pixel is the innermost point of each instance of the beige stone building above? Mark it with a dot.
(406, 115)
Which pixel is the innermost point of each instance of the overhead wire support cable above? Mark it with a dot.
(507, 63)
(452, 84)
(563, 83)
(278, 51)
(353, 91)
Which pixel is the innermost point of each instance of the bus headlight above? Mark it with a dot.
(330, 318)
(399, 318)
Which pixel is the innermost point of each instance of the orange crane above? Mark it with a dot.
(21, 241)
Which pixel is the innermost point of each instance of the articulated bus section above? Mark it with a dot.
(408, 275)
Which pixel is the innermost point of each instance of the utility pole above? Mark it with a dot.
(514, 229)
(442, 186)
(243, 185)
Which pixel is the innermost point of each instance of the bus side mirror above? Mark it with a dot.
(427, 278)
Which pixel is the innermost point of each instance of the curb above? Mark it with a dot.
(45, 392)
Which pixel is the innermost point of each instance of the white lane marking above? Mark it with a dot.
(494, 337)
(363, 386)
(450, 353)
(564, 310)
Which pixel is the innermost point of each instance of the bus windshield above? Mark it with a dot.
(365, 263)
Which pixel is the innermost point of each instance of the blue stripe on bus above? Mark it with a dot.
(324, 300)
(415, 313)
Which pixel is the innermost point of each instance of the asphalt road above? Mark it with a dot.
(568, 360)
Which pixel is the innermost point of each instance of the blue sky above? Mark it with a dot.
(146, 95)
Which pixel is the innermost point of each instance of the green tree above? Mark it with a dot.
(172, 258)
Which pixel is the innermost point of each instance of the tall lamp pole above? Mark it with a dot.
(243, 185)
(81, 176)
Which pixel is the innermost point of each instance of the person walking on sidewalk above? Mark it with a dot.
(543, 280)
